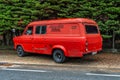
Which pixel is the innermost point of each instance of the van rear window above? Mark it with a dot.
(90, 29)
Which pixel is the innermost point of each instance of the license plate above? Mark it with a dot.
(93, 53)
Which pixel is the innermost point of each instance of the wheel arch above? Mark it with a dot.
(19, 45)
(60, 47)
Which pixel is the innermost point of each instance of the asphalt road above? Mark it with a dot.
(47, 73)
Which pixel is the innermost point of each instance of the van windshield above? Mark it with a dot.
(91, 29)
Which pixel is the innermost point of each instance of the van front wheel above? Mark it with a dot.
(20, 51)
(58, 56)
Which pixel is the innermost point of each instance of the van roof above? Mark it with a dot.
(67, 20)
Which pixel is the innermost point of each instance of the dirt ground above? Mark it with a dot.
(102, 60)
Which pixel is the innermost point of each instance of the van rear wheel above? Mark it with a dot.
(20, 51)
(58, 56)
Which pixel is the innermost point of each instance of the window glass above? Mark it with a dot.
(29, 31)
(40, 30)
(90, 29)
(43, 31)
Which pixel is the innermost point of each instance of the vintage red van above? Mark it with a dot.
(61, 38)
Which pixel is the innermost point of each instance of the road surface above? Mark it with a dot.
(48, 73)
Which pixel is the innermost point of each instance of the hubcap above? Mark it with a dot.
(19, 51)
(58, 55)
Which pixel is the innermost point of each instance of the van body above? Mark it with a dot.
(72, 37)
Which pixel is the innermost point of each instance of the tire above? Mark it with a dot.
(58, 56)
(20, 51)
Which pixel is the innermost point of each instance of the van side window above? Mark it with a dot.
(43, 30)
(90, 29)
(29, 31)
(40, 30)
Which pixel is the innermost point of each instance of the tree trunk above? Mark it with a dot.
(113, 43)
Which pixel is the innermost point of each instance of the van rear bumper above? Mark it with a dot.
(81, 54)
(93, 52)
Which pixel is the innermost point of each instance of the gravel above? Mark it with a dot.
(102, 60)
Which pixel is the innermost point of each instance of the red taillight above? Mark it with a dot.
(86, 46)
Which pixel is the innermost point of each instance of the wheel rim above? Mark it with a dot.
(58, 56)
(20, 51)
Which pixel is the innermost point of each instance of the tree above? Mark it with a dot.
(16, 14)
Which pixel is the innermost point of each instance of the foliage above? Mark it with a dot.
(18, 13)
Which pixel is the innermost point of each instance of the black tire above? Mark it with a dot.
(20, 51)
(58, 56)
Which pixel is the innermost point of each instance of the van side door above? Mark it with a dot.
(39, 39)
(27, 39)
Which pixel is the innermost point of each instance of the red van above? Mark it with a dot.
(61, 38)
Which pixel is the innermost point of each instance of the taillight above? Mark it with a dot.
(86, 46)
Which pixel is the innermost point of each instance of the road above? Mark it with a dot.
(52, 73)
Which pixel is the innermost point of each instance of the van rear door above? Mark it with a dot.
(93, 38)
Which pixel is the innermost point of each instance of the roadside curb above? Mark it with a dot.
(7, 64)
